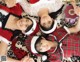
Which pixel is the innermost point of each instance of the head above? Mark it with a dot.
(43, 45)
(46, 21)
(40, 44)
(47, 24)
(24, 24)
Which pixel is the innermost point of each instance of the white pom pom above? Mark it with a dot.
(0, 24)
(44, 57)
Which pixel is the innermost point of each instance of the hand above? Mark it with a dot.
(10, 3)
(77, 27)
(27, 59)
(77, 10)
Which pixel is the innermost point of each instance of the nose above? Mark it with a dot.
(24, 23)
(46, 25)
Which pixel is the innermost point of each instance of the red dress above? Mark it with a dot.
(70, 45)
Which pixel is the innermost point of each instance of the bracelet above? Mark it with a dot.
(66, 29)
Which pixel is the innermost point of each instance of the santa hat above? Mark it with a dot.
(51, 30)
(34, 29)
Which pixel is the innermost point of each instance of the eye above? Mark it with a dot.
(40, 44)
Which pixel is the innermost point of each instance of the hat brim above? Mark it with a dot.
(51, 30)
(33, 27)
(33, 42)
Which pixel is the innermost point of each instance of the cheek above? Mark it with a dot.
(23, 28)
(44, 49)
(42, 22)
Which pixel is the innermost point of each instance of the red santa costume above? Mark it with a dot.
(17, 10)
(68, 51)
(6, 34)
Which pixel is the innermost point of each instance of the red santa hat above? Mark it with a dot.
(34, 29)
(51, 30)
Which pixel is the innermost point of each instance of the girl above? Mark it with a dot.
(8, 24)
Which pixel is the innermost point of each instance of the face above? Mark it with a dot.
(43, 46)
(10, 3)
(23, 24)
(46, 21)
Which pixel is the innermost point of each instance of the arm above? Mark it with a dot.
(76, 8)
(3, 52)
(74, 29)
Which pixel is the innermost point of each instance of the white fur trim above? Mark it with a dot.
(33, 41)
(67, 29)
(51, 30)
(33, 27)
(4, 40)
(44, 57)
(0, 24)
(3, 12)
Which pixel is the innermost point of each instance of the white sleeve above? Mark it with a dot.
(4, 12)
(2, 39)
(66, 29)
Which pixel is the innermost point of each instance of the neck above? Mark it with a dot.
(11, 23)
(43, 12)
(53, 44)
